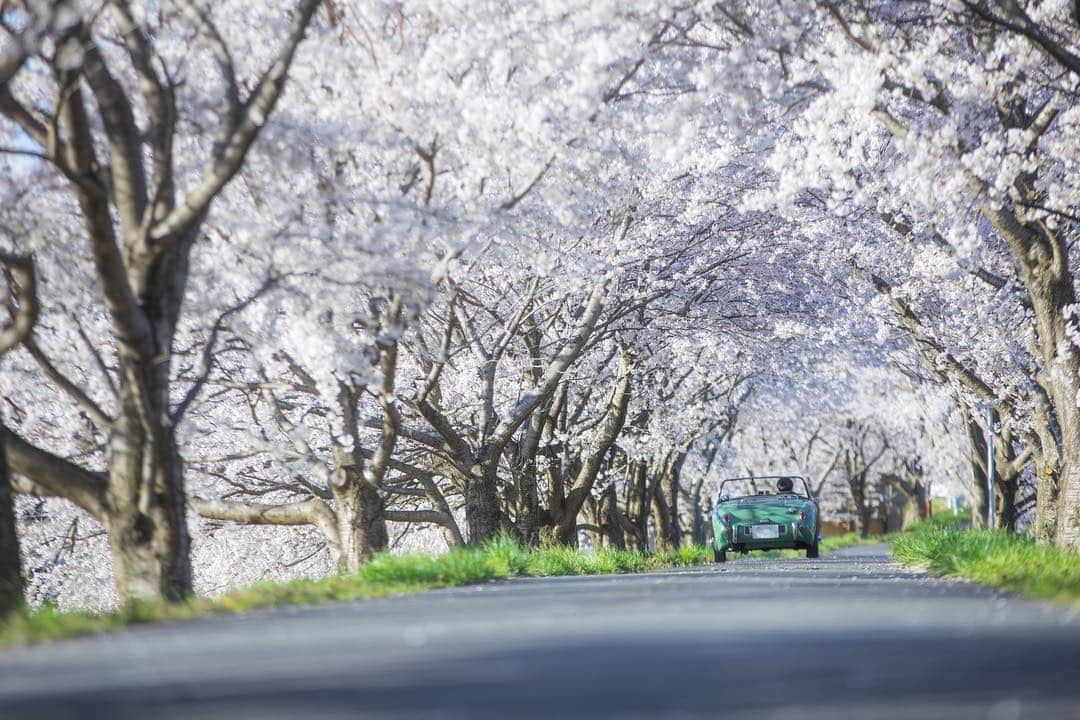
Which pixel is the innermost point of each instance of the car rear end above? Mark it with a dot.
(766, 523)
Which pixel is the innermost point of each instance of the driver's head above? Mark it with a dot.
(784, 485)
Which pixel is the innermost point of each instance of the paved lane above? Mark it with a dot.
(849, 636)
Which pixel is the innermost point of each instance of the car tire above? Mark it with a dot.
(812, 551)
(719, 556)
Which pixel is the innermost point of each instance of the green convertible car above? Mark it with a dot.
(765, 513)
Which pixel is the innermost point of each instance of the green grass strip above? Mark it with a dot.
(999, 559)
(386, 574)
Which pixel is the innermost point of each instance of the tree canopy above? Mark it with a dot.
(290, 283)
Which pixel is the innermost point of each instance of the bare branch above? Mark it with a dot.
(224, 59)
(304, 512)
(433, 517)
(553, 374)
(208, 350)
(127, 174)
(56, 476)
(68, 386)
(227, 162)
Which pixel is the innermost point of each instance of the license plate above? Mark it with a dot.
(765, 532)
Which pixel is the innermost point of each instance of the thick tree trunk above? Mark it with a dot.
(1050, 285)
(562, 533)
(11, 585)
(483, 514)
(666, 510)
(865, 516)
(857, 487)
(529, 517)
(564, 511)
(1068, 482)
(146, 508)
(1043, 257)
(699, 514)
(1046, 469)
(641, 504)
(922, 501)
(1005, 507)
(977, 464)
(1068, 515)
(915, 502)
(1046, 501)
(360, 518)
(23, 286)
(529, 526)
(556, 509)
(1050, 295)
(911, 515)
(610, 520)
(145, 516)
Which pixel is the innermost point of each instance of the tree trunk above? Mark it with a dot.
(639, 503)
(915, 504)
(1050, 286)
(483, 515)
(922, 501)
(1006, 503)
(857, 487)
(11, 584)
(564, 511)
(666, 509)
(561, 533)
(145, 516)
(865, 516)
(977, 464)
(360, 518)
(1068, 490)
(23, 288)
(699, 514)
(529, 519)
(1046, 469)
(1043, 257)
(1046, 501)
(610, 520)
(529, 526)
(146, 508)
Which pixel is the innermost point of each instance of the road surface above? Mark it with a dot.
(849, 636)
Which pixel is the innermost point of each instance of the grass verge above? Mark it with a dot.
(999, 559)
(385, 575)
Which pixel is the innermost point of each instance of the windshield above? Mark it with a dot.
(781, 485)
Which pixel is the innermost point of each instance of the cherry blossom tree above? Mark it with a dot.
(937, 133)
(95, 98)
(551, 270)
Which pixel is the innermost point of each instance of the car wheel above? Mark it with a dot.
(812, 551)
(719, 555)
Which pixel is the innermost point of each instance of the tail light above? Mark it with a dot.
(727, 518)
(802, 514)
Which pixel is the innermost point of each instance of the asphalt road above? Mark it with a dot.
(850, 636)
